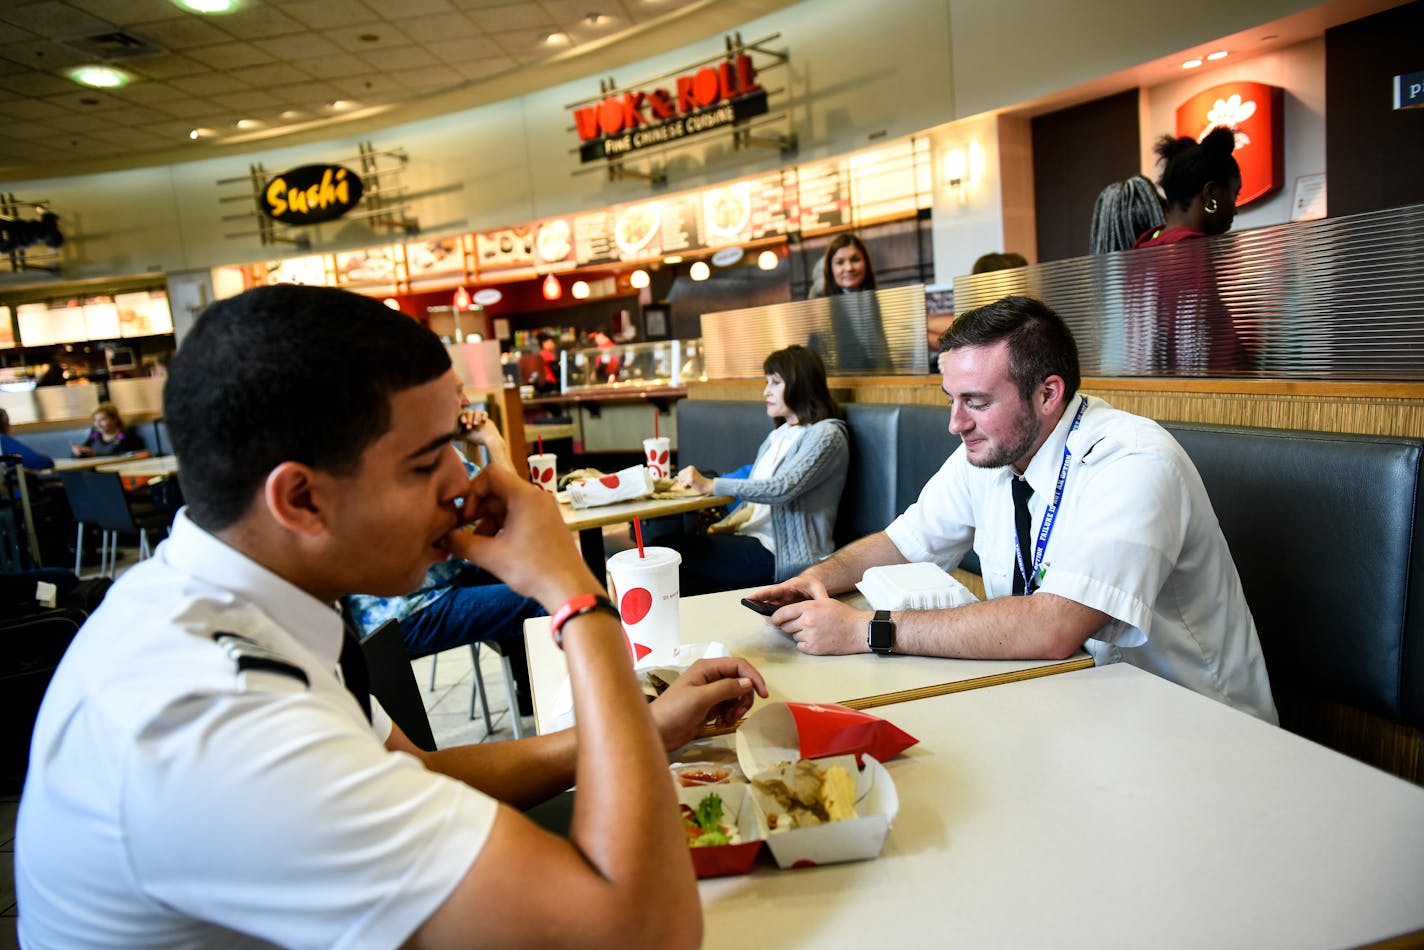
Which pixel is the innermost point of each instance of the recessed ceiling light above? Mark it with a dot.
(341, 105)
(290, 114)
(594, 19)
(369, 37)
(554, 39)
(208, 6)
(1191, 64)
(248, 124)
(1219, 54)
(88, 101)
(99, 77)
(201, 133)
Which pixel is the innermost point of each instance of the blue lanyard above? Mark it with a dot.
(1049, 515)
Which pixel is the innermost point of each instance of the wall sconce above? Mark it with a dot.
(579, 289)
(699, 270)
(639, 279)
(553, 290)
(956, 174)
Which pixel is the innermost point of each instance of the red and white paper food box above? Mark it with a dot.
(630, 483)
(775, 736)
(738, 812)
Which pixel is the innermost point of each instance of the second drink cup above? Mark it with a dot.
(543, 471)
(646, 592)
(658, 453)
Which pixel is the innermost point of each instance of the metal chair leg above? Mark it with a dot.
(516, 720)
(433, 658)
(78, 548)
(478, 687)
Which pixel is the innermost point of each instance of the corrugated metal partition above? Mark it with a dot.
(1337, 298)
(877, 332)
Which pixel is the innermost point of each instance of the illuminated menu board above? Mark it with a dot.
(822, 196)
(593, 238)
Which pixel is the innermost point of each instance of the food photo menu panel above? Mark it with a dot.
(505, 251)
(680, 229)
(636, 230)
(593, 238)
(554, 244)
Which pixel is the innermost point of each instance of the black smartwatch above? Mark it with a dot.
(880, 636)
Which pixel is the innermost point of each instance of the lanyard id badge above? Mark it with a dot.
(1050, 514)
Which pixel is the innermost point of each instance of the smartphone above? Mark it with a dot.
(760, 606)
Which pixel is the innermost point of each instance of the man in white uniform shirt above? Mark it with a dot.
(208, 769)
(1120, 553)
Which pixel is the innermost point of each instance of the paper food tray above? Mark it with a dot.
(918, 586)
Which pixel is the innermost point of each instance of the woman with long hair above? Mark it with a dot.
(792, 492)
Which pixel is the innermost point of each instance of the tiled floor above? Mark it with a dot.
(448, 705)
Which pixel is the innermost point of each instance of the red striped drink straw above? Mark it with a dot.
(541, 445)
(638, 533)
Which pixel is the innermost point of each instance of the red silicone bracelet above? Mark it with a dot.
(577, 607)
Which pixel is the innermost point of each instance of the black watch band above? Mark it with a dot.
(880, 635)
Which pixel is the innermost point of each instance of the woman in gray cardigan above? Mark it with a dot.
(792, 493)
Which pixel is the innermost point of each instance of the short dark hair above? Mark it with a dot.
(1040, 343)
(1188, 166)
(828, 285)
(804, 374)
(286, 373)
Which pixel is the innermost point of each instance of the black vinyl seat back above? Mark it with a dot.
(1322, 528)
(98, 498)
(393, 683)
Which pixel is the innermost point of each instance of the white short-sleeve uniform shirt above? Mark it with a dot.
(192, 789)
(1135, 536)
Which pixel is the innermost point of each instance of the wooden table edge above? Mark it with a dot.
(940, 689)
(675, 506)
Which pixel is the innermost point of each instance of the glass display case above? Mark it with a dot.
(632, 365)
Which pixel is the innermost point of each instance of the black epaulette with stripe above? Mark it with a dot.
(251, 656)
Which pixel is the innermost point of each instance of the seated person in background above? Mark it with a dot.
(9, 445)
(1131, 565)
(209, 768)
(993, 261)
(794, 487)
(456, 604)
(109, 436)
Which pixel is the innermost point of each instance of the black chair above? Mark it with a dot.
(98, 498)
(393, 683)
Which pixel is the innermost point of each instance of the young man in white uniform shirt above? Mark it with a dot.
(1131, 567)
(208, 769)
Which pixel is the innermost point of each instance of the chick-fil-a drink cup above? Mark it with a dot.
(645, 589)
(543, 471)
(658, 454)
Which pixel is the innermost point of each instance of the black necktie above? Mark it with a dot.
(353, 667)
(1022, 491)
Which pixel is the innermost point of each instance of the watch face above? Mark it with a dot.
(882, 636)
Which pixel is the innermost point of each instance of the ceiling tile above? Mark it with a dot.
(413, 9)
(515, 16)
(446, 26)
(206, 84)
(192, 108)
(68, 147)
(299, 46)
(14, 34)
(305, 96)
(183, 33)
(327, 14)
(331, 67)
(15, 152)
(462, 51)
(164, 66)
(126, 137)
(405, 57)
(37, 84)
(54, 19)
(28, 130)
(38, 54)
(148, 92)
(370, 89)
(256, 21)
(233, 55)
(31, 109)
(73, 122)
(123, 13)
(250, 101)
(484, 66)
(355, 39)
(428, 78)
(272, 74)
(135, 115)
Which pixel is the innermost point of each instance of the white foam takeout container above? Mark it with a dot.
(917, 586)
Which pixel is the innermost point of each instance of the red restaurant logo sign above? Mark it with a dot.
(709, 98)
(1253, 109)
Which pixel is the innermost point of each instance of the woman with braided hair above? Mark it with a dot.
(1124, 210)
(1201, 181)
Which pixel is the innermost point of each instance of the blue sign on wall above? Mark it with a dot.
(1409, 91)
